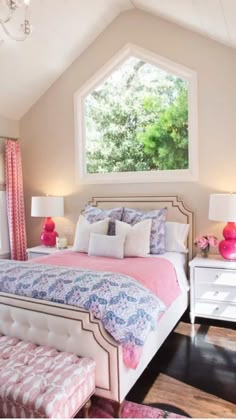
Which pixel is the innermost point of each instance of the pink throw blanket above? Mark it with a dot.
(156, 274)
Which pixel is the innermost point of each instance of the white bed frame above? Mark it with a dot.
(70, 329)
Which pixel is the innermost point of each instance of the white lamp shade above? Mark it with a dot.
(222, 207)
(48, 206)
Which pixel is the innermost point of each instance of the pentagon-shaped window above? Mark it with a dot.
(137, 121)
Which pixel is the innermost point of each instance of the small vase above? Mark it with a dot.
(204, 252)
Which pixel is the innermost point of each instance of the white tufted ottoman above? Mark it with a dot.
(38, 381)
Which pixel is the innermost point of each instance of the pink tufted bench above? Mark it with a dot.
(38, 381)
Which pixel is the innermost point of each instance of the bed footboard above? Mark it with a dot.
(75, 330)
(66, 329)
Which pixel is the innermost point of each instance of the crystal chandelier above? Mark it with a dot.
(11, 8)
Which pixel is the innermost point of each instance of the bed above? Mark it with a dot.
(69, 329)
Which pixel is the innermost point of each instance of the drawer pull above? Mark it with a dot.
(217, 276)
(216, 293)
(217, 308)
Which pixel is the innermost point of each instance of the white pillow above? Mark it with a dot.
(83, 231)
(106, 246)
(176, 236)
(137, 237)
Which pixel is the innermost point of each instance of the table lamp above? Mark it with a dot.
(222, 208)
(48, 206)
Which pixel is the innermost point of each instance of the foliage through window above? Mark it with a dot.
(137, 120)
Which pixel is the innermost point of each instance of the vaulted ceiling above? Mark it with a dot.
(63, 29)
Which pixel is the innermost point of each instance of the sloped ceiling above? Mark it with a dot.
(63, 29)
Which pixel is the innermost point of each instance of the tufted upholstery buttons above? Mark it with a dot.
(48, 383)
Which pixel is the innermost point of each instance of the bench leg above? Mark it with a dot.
(86, 408)
(117, 407)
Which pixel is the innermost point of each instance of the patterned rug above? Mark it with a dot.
(103, 409)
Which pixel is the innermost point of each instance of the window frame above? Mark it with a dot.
(180, 175)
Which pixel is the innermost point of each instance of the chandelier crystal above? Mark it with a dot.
(11, 8)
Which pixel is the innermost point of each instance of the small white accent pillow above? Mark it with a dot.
(83, 231)
(137, 237)
(106, 246)
(176, 236)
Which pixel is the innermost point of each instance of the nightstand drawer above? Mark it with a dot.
(209, 291)
(216, 276)
(217, 310)
(213, 289)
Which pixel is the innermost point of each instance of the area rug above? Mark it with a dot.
(102, 409)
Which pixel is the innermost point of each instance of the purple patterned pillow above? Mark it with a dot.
(95, 214)
(157, 239)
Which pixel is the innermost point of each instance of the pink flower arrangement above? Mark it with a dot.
(205, 241)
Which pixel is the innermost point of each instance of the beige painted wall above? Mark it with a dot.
(8, 127)
(47, 130)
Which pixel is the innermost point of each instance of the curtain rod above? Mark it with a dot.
(8, 138)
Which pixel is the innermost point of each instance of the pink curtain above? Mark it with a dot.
(15, 200)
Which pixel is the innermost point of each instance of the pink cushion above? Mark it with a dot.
(39, 381)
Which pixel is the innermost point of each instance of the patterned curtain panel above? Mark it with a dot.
(4, 230)
(15, 200)
(2, 168)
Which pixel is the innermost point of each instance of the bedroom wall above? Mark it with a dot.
(47, 130)
(8, 127)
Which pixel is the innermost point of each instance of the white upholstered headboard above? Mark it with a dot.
(177, 210)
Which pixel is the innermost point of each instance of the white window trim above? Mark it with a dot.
(181, 175)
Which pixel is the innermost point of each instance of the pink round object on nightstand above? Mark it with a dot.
(227, 247)
(48, 236)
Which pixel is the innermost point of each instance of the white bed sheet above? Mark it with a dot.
(178, 259)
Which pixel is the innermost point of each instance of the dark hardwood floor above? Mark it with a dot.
(194, 372)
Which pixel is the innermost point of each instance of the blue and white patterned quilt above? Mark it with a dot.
(127, 309)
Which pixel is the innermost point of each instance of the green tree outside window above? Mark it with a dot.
(137, 120)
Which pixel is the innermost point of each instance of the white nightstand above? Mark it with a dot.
(41, 250)
(213, 288)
